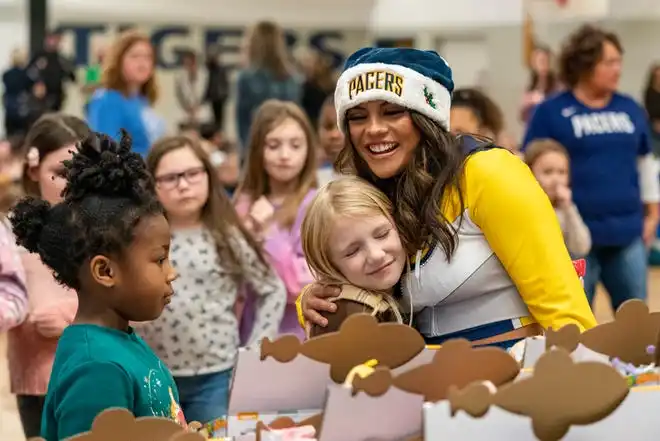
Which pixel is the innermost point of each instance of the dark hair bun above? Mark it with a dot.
(104, 167)
(28, 219)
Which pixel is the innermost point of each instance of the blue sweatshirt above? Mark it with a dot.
(603, 145)
(109, 111)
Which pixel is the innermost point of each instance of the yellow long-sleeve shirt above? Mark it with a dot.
(511, 263)
(510, 267)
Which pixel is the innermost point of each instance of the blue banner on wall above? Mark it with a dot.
(228, 38)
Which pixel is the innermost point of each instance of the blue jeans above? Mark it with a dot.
(204, 398)
(622, 269)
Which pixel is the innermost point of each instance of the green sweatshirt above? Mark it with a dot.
(98, 368)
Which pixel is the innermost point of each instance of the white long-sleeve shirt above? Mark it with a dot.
(576, 233)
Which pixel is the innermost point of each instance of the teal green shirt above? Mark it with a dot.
(98, 368)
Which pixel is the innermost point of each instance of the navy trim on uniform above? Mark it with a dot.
(477, 333)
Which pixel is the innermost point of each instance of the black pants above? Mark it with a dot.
(218, 114)
(30, 408)
(15, 126)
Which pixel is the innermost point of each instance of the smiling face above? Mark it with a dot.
(367, 251)
(384, 135)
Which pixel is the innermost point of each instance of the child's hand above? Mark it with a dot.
(563, 196)
(261, 213)
(49, 323)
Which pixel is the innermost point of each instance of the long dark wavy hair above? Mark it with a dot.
(417, 192)
(551, 80)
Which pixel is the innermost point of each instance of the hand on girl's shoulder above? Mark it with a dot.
(357, 301)
(345, 308)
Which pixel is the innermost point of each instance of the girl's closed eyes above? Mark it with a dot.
(350, 240)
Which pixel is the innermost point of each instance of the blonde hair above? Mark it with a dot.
(540, 147)
(347, 196)
(18, 57)
(113, 78)
(255, 184)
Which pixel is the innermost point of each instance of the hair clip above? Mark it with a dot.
(33, 157)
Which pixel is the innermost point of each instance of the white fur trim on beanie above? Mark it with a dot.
(395, 84)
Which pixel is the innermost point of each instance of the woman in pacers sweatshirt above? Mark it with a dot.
(613, 174)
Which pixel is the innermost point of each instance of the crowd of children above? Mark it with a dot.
(161, 311)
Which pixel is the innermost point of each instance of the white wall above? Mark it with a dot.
(469, 60)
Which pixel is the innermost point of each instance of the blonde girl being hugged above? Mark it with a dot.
(51, 305)
(350, 240)
(279, 183)
(197, 334)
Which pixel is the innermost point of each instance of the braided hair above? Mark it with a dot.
(108, 192)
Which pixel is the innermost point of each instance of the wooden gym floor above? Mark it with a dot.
(10, 427)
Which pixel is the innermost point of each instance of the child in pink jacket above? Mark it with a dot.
(283, 248)
(278, 184)
(13, 296)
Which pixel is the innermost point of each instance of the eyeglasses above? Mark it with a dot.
(170, 181)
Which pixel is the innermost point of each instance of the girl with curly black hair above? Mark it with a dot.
(109, 241)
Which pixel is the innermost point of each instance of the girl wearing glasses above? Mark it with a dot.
(197, 335)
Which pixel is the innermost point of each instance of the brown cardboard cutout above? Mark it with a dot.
(560, 393)
(567, 337)
(456, 363)
(121, 425)
(633, 330)
(360, 338)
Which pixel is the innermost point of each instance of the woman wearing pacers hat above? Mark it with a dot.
(488, 261)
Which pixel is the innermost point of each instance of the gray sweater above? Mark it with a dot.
(198, 331)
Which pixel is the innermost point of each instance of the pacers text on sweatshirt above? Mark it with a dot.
(604, 145)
